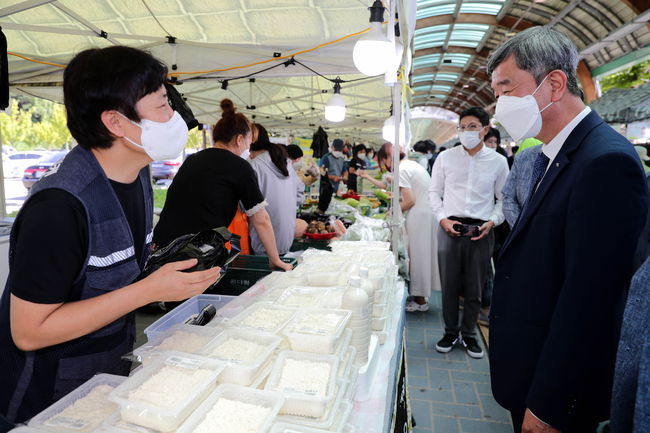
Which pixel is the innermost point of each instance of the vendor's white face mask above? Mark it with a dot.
(520, 116)
(161, 140)
(469, 139)
(337, 154)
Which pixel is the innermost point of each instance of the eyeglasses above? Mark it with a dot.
(470, 127)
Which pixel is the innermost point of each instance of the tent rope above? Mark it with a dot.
(155, 18)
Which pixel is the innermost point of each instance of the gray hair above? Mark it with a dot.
(540, 50)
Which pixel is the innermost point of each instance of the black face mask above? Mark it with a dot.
(208, 247)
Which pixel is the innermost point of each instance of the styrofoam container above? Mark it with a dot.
(187, 309)
(302, 297)
(243, 319)
(270, 400)
(238, 371)
(196, 337)
(309, 336)
(159, 417)
(51, 419)
(303, 402)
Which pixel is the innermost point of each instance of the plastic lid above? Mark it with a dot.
(364, 272)
(355, 281)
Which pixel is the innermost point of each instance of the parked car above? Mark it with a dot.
(34, 172)
(14, 164)
(165, 169)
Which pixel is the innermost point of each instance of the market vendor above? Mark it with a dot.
(82, 237)
(332, 173)
(211, 184)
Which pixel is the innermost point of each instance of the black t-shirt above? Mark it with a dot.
(356, 164)
(205, 194)
(52, 241)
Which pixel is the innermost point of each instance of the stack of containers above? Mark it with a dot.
(355, 300)
(368, 286)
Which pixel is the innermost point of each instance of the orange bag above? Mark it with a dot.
(239, 226)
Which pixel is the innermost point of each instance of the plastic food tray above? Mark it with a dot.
(343, 343)
(267, 399)
(262, 376)
(27, 429)
(165, 418)
(305, 336)
(49, 419)
(302, 297)
(335, 297)
(303, 402)
(347, 363)
(283, 427)
(236, 371)
(180, 314)
(150, 350)
(254, 309)
(115, 424)
(329, 418)
(324, 279)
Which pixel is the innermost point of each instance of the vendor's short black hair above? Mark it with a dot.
(493, 132)
(477, 112)
(358, 148)
(113, 78)
(294, 152)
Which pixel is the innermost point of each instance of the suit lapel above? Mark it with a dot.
(559, 164)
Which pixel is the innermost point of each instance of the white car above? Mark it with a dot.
(14, 165)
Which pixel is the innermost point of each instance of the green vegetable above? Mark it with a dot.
(351, 202)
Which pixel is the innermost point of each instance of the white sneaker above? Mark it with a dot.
(413, 306)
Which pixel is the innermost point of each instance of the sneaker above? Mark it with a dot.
(472, 347)
(447, 343)
(413, 306)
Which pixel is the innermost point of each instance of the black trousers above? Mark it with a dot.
(578, 425)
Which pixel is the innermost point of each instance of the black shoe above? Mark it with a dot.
(473, 349)
(447, 343)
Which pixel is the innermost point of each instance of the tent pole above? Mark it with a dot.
(3, 201)
(396, 214)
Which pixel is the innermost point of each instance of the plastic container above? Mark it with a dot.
(343, 343)
(87, 417)
(237, 371)
(180, 338)
(324, 279)
(263, 375)
(187, 309)
(27, 429)
(378, 323)
(167, 417)
(115, 424)
(304, 402)
(316, 330)
(271, 401)
(264, 316)
(347, 363)
(302, 297)
(367, 372)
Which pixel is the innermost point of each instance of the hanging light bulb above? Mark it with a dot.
(388, 131)
(373, 51)
(335, 107)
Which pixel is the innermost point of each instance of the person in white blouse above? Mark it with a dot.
(464, 183)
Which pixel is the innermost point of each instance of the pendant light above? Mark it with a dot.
(373, 52)
(335, 107)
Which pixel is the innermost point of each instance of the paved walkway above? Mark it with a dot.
(449, 393)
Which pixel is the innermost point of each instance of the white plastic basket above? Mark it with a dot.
(304, 402)
(157, 415)
(316, 330)
(240, 371)
(271, 401)
(89, 414)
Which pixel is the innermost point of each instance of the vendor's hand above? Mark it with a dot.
(362, 173)
(485, 230)
(170, 284)
(280, 264)
(448, 226)
(533, 425)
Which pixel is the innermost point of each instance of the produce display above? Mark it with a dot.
(315, 227)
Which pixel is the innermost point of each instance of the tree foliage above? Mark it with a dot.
(631, 77)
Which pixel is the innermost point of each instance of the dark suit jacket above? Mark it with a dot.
(560, 283)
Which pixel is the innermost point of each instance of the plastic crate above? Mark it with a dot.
(243, 272)
(180, 314)
(270, 400)
(306, 243)
(51, 419)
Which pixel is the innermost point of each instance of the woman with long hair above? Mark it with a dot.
(211, 184)
(281, 187)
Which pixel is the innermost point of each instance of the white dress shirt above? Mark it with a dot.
(553, 147)
(466, 186)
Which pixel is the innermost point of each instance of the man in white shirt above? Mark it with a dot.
(465, 181)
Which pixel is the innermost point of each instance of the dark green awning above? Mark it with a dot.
(624, 105)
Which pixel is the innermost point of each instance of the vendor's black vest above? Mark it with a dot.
(31, 381)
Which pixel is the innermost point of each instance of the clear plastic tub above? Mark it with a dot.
(271, 402)
(304, 399)
(27, 429)
(264, 316)
(378, 323)
(83, 409)
(347, 363)
(167, 390)
(343, 343)
(237, 370)
(115, 424)
(302, 297)
(329, 419)
(262, 376)
(180, 338)
(187, 309)
(325, 279)
(316, 330)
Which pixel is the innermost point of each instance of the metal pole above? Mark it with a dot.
(396, 216)
(3, 198)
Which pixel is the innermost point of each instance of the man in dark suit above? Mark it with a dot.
(560, 283)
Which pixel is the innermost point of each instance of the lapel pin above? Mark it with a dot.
(557, 164)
